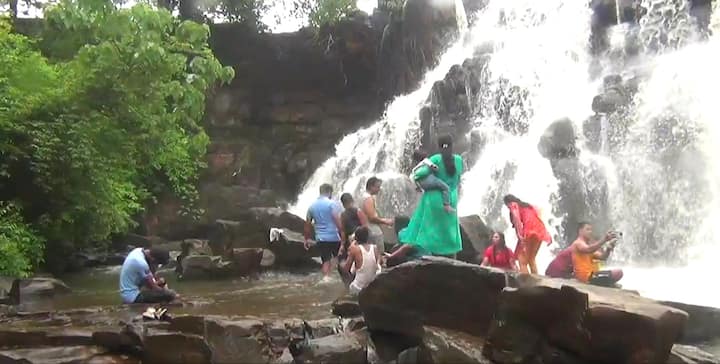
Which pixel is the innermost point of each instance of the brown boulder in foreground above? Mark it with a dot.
(594, 324)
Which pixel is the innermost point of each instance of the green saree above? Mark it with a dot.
(432, 230)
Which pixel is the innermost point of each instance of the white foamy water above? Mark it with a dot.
(541, 48)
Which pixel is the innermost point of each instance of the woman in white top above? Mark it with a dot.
(366, 258)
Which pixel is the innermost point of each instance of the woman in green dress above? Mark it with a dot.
(433, 229)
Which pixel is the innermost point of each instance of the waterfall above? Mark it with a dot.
(540, 47)
(655, 172)
(380, 148)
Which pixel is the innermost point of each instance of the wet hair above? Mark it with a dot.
(372, 182)
(502, 239)
(419, 155)
(511, 198)
(326, 189)
(160, 255)
(362, 233)
(582, 224)
(346, 198)
(446, 150)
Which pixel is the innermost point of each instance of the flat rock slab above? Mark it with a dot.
(605, 325)
(343, 348)
(683, 354)
(50, 355)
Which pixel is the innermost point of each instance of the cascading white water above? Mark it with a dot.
(379, 148)
(663, 180)
(682, 87)
(541, 48)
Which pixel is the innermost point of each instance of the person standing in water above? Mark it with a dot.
(366, 258)
(369, 208)
(530, 232)
(585, 253)
(324, 217)
(351, 219)
(430, 182)
(432, 230)
(498, 255)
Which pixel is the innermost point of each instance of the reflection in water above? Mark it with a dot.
(274, 295)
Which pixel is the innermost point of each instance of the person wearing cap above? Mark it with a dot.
(138, 284)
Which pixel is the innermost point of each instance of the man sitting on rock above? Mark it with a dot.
(138, 283)
(585, 254)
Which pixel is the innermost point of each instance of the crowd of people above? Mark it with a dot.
(355, 236)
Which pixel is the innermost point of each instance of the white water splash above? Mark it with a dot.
(541, 48)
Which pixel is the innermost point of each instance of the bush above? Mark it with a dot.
(107, 122)
(20, 247)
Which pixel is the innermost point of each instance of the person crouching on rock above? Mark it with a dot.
(530, 232)
(562, 265)
(585, 254)
(366, 258)
(498, 255)
(324, 216)
(138, 283)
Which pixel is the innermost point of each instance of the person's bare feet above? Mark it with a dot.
(449, 209)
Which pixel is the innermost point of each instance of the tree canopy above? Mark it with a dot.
(101, 122)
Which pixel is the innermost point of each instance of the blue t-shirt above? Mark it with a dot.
(322, 212)
(133, 274)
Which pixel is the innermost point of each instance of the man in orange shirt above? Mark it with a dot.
(584, 254)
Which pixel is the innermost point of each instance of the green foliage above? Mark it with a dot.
(329, 12)
(112, 122)
(20, 247)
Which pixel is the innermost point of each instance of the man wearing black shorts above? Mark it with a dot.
(324, 218)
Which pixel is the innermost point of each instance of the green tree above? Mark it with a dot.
(91, 137)
(329, 12)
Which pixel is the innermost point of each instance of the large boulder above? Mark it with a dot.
(238, 263)
(39, 287)
(703, 322)
(290, 250)
(432, 291)
(558, 141)
(251, 229)
(524, 317)
(598, 324)
(475, 238)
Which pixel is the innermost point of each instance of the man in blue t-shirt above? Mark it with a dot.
(324, 216)
(137, 281)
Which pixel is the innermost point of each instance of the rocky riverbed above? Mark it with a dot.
(434, 310)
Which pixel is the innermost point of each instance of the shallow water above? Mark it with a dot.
(274, 295)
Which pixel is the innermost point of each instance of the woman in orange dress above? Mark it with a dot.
(530, 231)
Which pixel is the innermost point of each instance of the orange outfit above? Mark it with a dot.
(532, 234)
(584, 265)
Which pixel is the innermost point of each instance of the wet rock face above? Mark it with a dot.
(411, 44)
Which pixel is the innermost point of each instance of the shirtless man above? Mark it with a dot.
(369, 208)
(584, 254)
